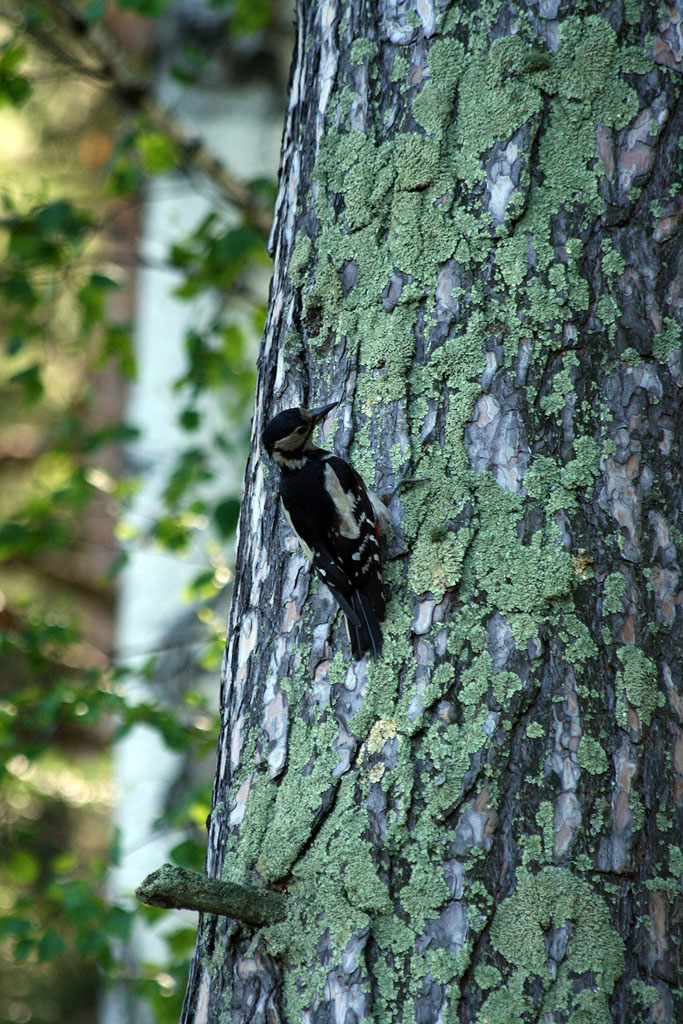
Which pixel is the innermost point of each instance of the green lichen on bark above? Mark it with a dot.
(385, 204)
(591, 756)
(639, 682)
(173, 887)
(554, 898)
(614, 588)
(404, 182)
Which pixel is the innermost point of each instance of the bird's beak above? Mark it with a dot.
(319, 414)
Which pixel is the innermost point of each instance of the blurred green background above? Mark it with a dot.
(84, 135)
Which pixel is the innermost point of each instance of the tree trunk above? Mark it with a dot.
(477, 249)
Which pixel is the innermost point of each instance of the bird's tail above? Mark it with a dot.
(365, 632)
(362, 619)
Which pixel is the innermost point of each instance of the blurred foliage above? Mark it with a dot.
(65, 354)
(246, 16)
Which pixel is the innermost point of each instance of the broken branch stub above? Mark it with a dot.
(173, 887)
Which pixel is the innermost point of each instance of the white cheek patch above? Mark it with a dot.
(287, 460)
(344, 502)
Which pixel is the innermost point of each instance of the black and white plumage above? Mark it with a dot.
(337, 520)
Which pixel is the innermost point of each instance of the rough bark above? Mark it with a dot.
(477, 248)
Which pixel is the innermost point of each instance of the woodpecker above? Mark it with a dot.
(336, 518)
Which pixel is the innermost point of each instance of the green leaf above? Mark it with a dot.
(50, 946)
(189, 419)
(147, 8)
(118, 923)
(189, 854)
(23, 867)
(93, 11)
(92, 298)
(182, 941)
(184, 76)
(46, 235)
(31, 381)
(15, 343)
(125, 178)
(202, 586)
(226, 515)
(172, 533)
(60, 220)
(23, 948)
(248, 16)
(266, 189)
(157, 152)
(114, 569)
(15, 88)
(16, 926)
(117, 345)
(65, 863)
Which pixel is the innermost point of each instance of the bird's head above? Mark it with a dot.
(290, 433)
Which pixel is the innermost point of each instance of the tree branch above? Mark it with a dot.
(133, 91)
(177, 888)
